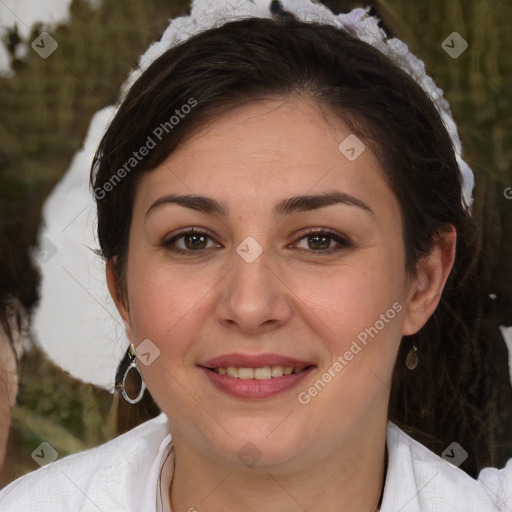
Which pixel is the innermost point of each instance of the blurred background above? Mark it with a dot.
(46, 105)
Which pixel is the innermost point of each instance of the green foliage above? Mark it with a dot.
(54, 407)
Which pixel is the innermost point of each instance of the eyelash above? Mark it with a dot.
(344, 242)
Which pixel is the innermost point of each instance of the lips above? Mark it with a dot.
(255, 377)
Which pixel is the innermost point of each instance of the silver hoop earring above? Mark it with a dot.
(132, 357)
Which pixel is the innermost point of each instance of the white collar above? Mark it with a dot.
(417, 480)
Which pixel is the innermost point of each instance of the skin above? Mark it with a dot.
(8, 387)
(292, 300)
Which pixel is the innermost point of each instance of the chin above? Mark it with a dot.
(263, 446)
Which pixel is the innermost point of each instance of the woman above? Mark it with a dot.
(279, 205)
(11, 324)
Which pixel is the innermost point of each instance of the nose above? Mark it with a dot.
(254, 299)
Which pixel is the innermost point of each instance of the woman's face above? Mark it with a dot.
(298, 261)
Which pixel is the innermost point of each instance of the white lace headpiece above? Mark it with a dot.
(76, 322)
(207, 14)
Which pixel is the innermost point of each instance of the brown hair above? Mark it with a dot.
(451, 395)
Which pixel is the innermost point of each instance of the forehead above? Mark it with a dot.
(264, 151)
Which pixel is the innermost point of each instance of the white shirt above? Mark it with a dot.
(133, 472)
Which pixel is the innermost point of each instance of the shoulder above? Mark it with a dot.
(114, 476)
(419, 480)
(498, 483)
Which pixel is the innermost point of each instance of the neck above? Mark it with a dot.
(348, 477)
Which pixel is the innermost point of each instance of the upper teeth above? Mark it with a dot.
(265, 372)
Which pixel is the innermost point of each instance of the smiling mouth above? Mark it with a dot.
(261, 373)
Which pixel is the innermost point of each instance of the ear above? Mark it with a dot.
(120, 301)
(428, 284)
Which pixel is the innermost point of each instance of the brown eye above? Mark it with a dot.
(323, 242)
(190, 241)
(316, 242)
(195, 241)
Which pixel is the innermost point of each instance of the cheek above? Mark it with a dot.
(357, 314)
(345, 301)
(158, 298)
(167, 301)
(164, 308)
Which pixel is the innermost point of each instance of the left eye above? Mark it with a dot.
(322, 242)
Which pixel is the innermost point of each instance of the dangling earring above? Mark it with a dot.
(132, 358)
(412, 359)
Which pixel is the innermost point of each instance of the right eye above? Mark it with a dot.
(189, 241)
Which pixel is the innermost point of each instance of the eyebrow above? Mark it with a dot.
(285, 207)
